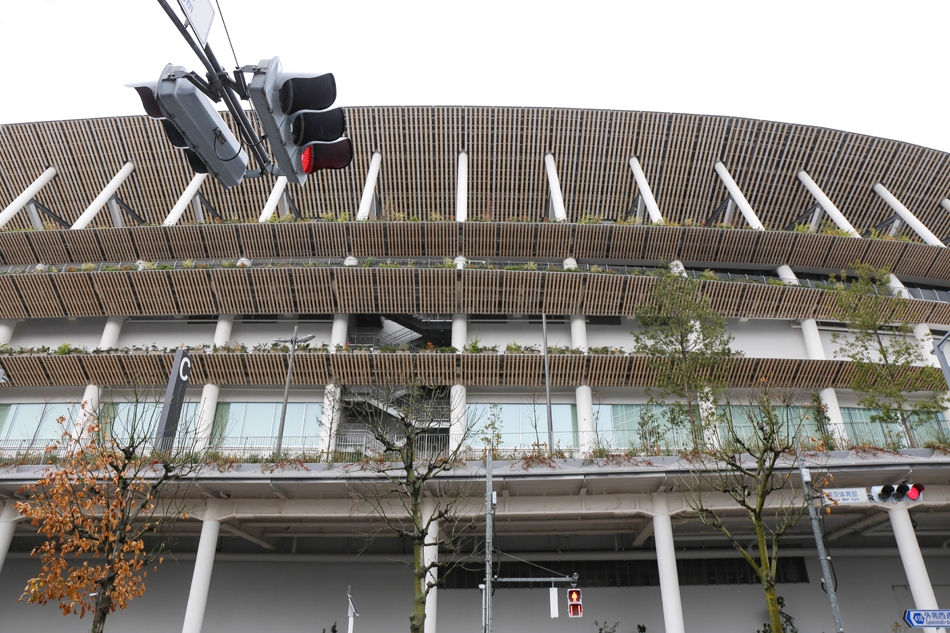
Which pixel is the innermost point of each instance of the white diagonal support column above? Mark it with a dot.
(905, 214)
(917, 577)
(646, 194)
(830, 209)
(461, 195)
(369, 188)
(186, 197)
(201, 578)
(28, 194)
(666, 563)
(744, 207)
(103, 198)
(271, 205)
(554, 184)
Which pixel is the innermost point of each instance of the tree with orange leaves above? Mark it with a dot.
(102, 510)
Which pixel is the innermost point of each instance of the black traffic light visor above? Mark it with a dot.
(307, 93)
(328, 125)
(336, 155)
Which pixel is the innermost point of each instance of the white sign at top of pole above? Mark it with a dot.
(200, 15)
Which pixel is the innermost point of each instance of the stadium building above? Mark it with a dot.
(457, 226)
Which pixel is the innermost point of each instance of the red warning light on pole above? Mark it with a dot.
(574, 607)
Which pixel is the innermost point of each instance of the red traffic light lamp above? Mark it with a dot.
(574, 607)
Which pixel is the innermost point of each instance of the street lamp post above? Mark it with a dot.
(294, 341)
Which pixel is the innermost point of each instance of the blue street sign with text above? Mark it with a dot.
(927, 618)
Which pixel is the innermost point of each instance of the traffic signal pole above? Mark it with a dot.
(828, 579)
(222, 90)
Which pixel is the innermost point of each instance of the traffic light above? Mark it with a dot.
(304, 136)
(191, 124)
(895, 494)
(574, 607)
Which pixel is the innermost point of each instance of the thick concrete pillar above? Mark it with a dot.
(330, 422)
(111, 331)
(8, 520)
(458, 416)
(590, 437)
(201, 579)
(204, 426)
(461, 194)
(914, 567)
(666, 562)
(459, 331)
(579, 332)
(816, 351)
(7, 327)
(222, 330)
(369, 190)
(186, 197)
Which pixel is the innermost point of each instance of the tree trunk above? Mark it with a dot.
(417, 621)
(102, 608)
(775, 617)
(766, 576)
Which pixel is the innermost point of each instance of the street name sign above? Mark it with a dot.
(928, 618)
(847, 495)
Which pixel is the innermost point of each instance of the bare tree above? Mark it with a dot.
(401, 475)
(750, 463)
(109, 494)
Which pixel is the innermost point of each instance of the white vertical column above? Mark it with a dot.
(583, 396)
(329, 424)
(104, 197)
(830, 209)
(28, 194)
(914, 567)
(201, 579)
(907, 216)
(9, 517)
(816, 351)
(369, 189)
(93, 393)
(7, 327)
(271, 205)
(461, 196)
(646, 194)
(458, 425)
(666, 562)
(204, 426)
(186, 197)
(554, 184)
(430, 554)
(750, 217)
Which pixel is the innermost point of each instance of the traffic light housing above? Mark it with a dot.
(575, 608)
(192, 124)
(896, 493)
(304, 135)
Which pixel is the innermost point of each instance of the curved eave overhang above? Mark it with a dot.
(488, 370)
(506, 148)
(727, 247)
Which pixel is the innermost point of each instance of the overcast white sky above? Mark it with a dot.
(873, 67)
